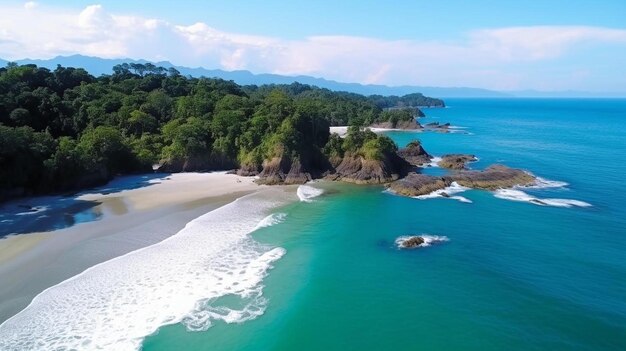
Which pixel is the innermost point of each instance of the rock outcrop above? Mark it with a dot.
(415, 154)
(435, 126)
(284, 170)
(411, 242)
(456, 161)
(357, 169)
(408, 125)
(418, 184)
(492, 178)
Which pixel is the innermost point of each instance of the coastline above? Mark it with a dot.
(174, 280)
(129, 219)
(342, 131)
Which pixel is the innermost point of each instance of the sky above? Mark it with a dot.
(501, 45)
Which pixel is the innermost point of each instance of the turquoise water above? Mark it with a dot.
(514, 275)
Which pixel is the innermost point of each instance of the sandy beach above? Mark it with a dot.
(132, 212)
(343, 130)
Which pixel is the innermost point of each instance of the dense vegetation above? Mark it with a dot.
(65, 129)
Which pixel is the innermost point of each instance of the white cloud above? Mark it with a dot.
(30, 5)
(541, 42)
(480, 59)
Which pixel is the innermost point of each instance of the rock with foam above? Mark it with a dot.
(417, 241)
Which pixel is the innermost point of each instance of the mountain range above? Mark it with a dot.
(98, 66)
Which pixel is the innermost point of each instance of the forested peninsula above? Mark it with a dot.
(65, 129)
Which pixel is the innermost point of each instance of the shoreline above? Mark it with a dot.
(129, 220)
(342, 131)
(132, 295)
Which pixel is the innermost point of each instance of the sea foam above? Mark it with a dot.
(271, 220)
(306, 193)
(518, 195)
(428, 240)
(434, 162)
(542, 183)
(211, 270)
(454, 188)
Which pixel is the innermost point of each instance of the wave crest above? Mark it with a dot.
(306, 193)
(274, 218)
(518, 195)
(117, 303)
(454, 188)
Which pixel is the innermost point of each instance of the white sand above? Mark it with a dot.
(131, 219)
(343, 130)
(177, 188)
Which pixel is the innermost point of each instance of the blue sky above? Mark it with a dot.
(505, 45)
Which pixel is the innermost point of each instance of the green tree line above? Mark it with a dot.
(65, 129)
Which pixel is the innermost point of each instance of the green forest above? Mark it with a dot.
(65, 129)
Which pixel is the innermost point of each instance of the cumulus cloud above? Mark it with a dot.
(479, 59)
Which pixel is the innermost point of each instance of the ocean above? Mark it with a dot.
(325, 272)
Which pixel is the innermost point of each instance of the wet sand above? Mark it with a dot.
(129, 220)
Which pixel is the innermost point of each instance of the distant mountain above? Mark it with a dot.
(98, 66)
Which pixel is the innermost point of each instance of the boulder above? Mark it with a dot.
(411, 242)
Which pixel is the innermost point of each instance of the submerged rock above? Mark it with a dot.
(456, 161)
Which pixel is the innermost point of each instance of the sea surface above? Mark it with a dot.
(321, 269)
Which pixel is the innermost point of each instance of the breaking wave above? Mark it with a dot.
(518, 195)
(454, 188)
(306, 193)
(274, 218)
(542, 183)
(211, 270)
